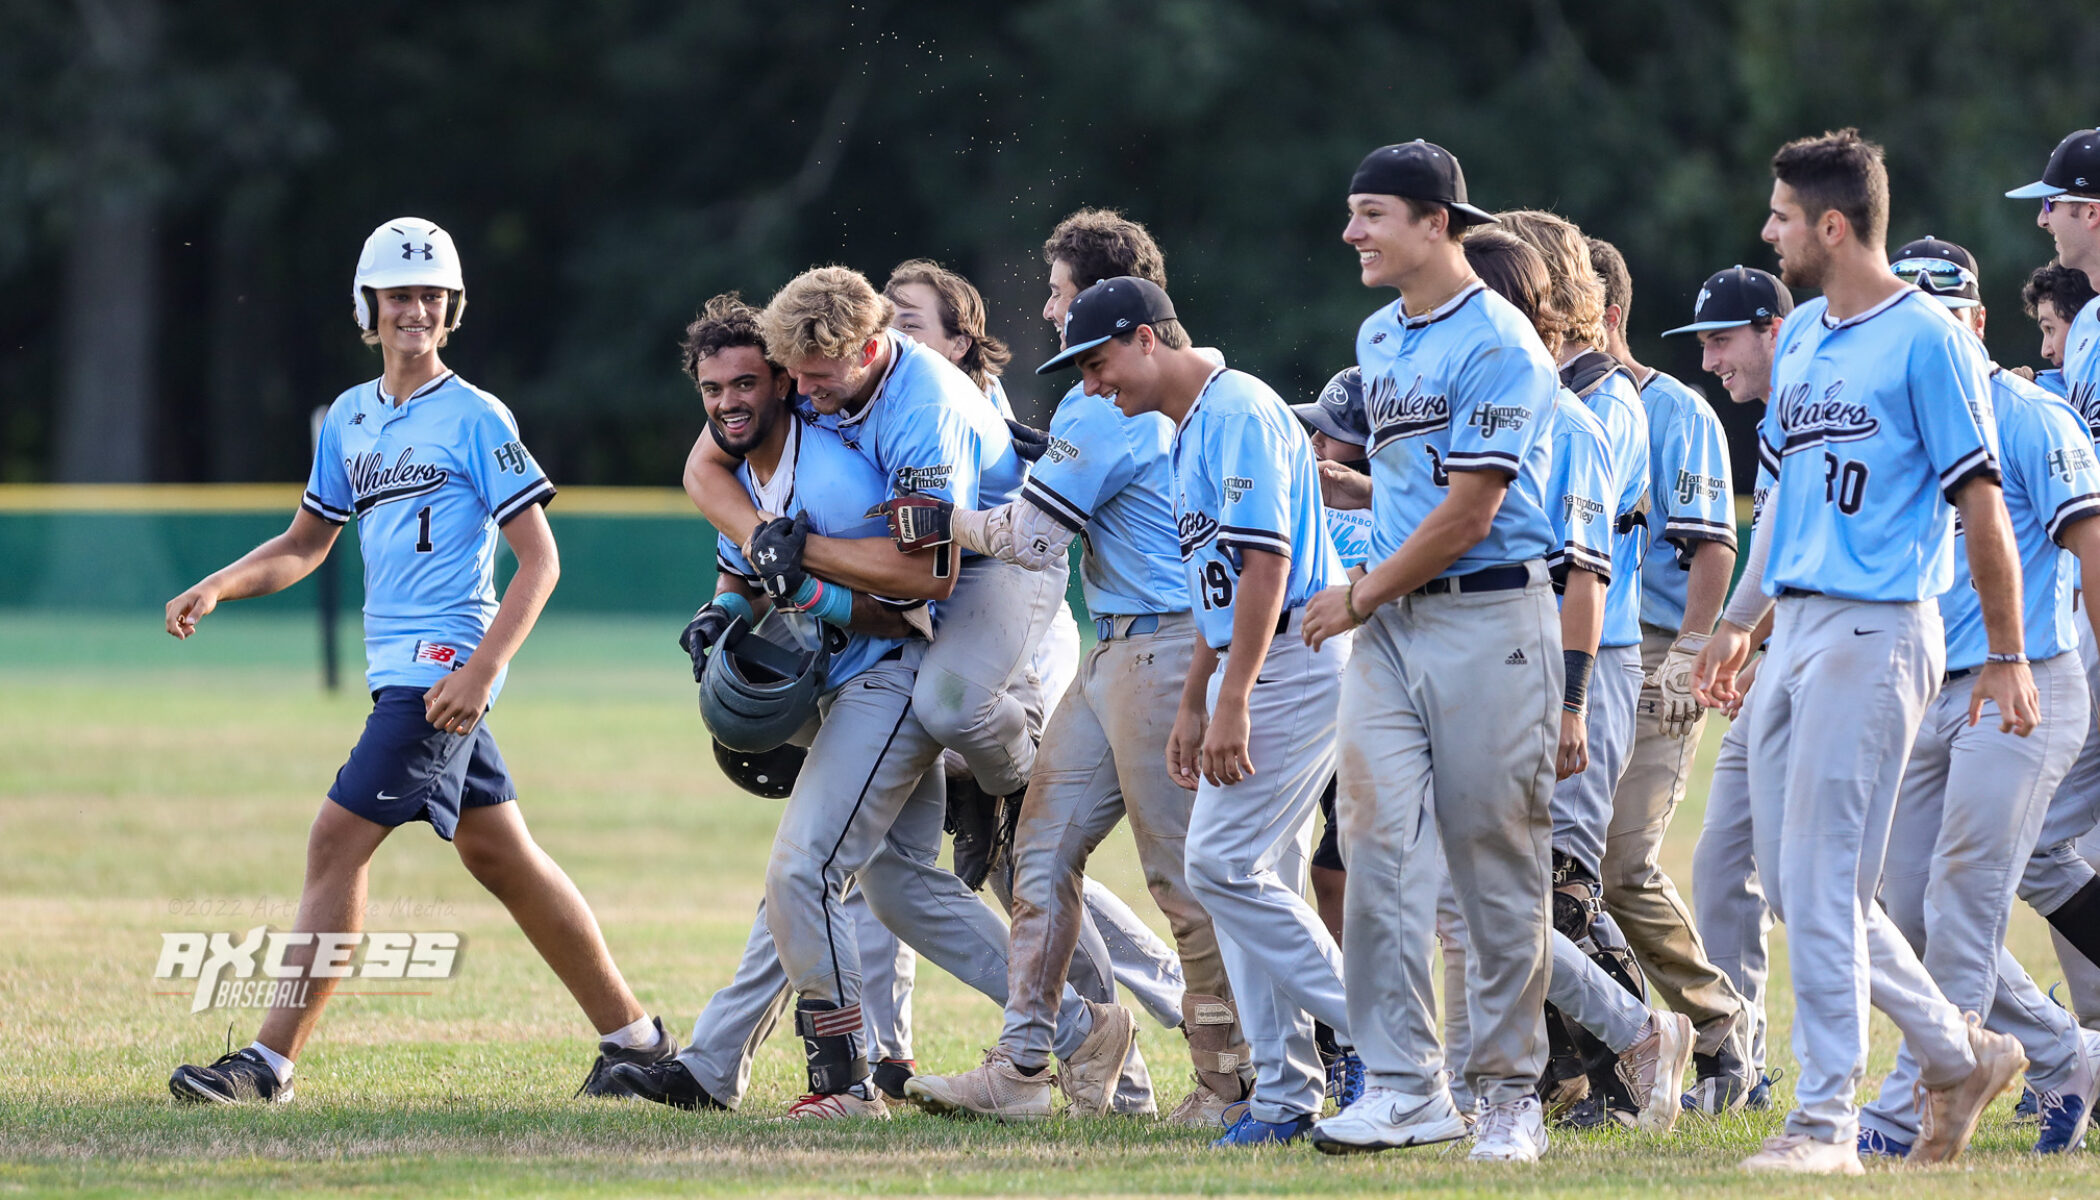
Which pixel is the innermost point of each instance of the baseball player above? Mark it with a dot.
(1686, 565)
(1592, 1014)
(1972, 800)
(2053, 295)
(1254, 737)
(867, 804)
(1737, 318)
(1105, 476)
(433, 470)
(1881, 416)
(943, 311)
(2060, 882)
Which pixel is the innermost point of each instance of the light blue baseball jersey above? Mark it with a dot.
(1351, 530)
(1110, 479)
(2052, 382)
(1582, 489)
(2051, 483)
(2082, 365)
(836, 487)
(1617, 402)
(1691, 497)
(1874, 424)
(995, 391)
(1244, 480)
(928, 429)
(1466, 386)
(430, 482)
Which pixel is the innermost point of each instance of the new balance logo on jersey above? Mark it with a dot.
(410, 250)
(2066, 463)
(1394, 414)
(373, 482)
(1491, 418)
(359, 419)
(1811, 420)
(1692, 486)
(1196, 530)
(1516, 659)
(1377, 337)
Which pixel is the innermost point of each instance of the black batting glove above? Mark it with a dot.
(776, 554)
(1029, 442)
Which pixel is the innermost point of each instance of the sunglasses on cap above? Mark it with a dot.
(1943, 276)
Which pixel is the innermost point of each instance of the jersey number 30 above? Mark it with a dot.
(1217, 585)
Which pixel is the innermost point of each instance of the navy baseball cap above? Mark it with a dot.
(1418, 170)
(2073, 170)
(1737, 296)
(1941, 269)
(1339, 411)
(1110, 308)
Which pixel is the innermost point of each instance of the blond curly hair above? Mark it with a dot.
(1578, 291)
(825, 312)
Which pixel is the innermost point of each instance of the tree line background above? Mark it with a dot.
(184, 184)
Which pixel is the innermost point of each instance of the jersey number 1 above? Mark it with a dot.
(423, 545)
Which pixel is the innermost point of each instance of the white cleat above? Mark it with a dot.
(1800, 1154)
(996, 1088)
(837, 1106)
(1653, 1071)
(1510, 1132)
(1090, 1077)
(1389, 1119)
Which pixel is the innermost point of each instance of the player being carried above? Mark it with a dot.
(432, 469)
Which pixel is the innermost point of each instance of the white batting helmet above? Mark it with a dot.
(402, 252)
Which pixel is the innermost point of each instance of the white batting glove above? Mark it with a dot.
(1679, 710)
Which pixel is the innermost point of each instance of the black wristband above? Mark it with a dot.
(1579, 662)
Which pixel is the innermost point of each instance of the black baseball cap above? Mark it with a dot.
(1108, 309)
(1737, 296)
(1941, 269)
(1418, 170)
(2073, 170)
(1339, 410)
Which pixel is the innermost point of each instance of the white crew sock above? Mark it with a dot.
(638, 1034)
(278, 1062)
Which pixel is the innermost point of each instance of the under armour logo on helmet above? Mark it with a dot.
(410, 250)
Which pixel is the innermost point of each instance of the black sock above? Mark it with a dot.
(1031, 1072)
(2078, 919)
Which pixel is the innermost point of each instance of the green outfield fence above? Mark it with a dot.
(125, 547)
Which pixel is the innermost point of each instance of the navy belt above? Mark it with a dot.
(1800, 593)
(1951, 676)
(1105, 627)
(1489, 579)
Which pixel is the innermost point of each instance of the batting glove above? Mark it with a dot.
(1679, 710)
(706, 628)
(1029, 442)
(776, 554)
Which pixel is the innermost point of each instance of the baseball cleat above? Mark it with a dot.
(1653, 1071)
(664, 1082)
(1389, 1119)
(1134, 1095)
(838, 1106)
(2026, 1112)
(1202, 1108)
(2063, 1121)
(1514, 1131)
(602, 1082)
(1799, 1154)
(995, 1088)
(235, 1078)
(1251, 1130)
(1089, 1077)
(891, 1074)
(1346, 1080)
(1875, 1144)
(1721, 1083)
(1947, 1117)
(1593, 1111)
(1760, 1097)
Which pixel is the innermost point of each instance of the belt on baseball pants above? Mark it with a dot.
(1799, 593)
(1957, 673)
(1487, 579)
(1105, 628)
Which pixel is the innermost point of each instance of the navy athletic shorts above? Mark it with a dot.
(405, 769)
(1328, 852)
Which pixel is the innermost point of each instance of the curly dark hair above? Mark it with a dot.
(2058, 284)
(724, 321)
(1101, 243)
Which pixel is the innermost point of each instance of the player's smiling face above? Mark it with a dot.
(1390, 242)
(1122, 371)
(1741, 358)
(2075, 226)
(744, 396)
(2054, 326)
(1063, 290)
(1790, 231)
(412, 319)
(832, 383)
(919, 318)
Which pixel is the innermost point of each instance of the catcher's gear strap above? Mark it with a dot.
(832, 1045)
(824, 1023)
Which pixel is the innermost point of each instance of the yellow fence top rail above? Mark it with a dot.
(284, 497)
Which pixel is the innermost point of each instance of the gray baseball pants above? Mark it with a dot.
(1454, 718)
(973, 689)
(1967, 817)
(1840, 699)
(1728, 898)
(1582, 803)
(1249, 847)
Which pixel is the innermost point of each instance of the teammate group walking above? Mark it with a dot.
(1469, 606)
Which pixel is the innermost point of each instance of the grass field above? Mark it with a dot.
(149, 787)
